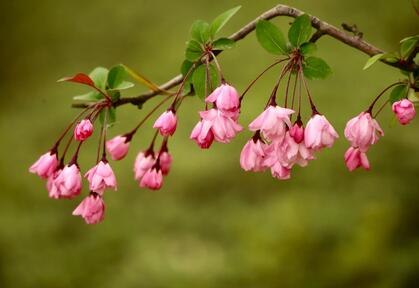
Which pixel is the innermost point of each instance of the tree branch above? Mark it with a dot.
(323, 28)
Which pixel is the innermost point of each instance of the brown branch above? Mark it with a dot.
(323, 28)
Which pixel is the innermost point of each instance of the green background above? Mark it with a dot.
(212, 224)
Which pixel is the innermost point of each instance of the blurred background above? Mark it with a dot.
(212, 224)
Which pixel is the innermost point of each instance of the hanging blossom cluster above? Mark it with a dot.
(279, 141)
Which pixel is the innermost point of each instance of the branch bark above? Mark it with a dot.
(323, 28)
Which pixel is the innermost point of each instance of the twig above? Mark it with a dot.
(323, 28)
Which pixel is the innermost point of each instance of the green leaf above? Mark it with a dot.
(308, 48)
(314, 67)
(114, 94)
(90, 96)
(408, 45)
(193, 50)
(372, 60)
(184, 69)
(399, 92)
(111, 117)
(271, 38)
(221, 20)
(200, 31)
(116, 78)
(223, 44)
(99, 76)
(416, 59)
(300, 30)
(186, 66)
(199, 79)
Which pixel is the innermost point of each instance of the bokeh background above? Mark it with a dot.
(212, 224)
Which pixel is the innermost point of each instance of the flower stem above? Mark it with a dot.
(369, 110)
(260, 75)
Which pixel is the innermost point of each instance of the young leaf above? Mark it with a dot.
(199, 79)
(408, 45)
(193, 50)
(200, 31)
(116, 78)
(399, 92)
(300, 30)
(99, 75)
(143, 80)
(221, 20)
(90, 96)
(79, 78)
(372, 60)
(314, 67)
(271, 38)
(308, 48)
(223, 44)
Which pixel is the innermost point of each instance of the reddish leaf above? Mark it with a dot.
(79, 78)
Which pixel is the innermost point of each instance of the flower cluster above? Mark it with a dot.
(278, 143)
(219, 123)
(363, 131)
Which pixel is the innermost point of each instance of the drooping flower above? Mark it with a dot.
(152, 179)
(252, 155)
(202, 134)
(83, 130)
(223, 127)
(363, 131)
(165, 162)
(225, 98)
(354, 158)
(92, 209)
(280, 172)
(272, 122)
(297, 133)
(166, 123)
(319, 133)
(118, 146)
(143, 162)
(45, 165)
(69, 182)
(101, 177)
(404, 110)
(52, 187)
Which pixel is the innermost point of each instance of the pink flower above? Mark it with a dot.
(52, 188)
(45, 165)
(68, 183)
(92, 209)
(272, 122)
(363, 131)
(251, 157)
(202, 134)
(118, 147)
(165, 162)
(152, 179)
(83, 130)
(280, 172)
(297, 133)
(225, 98)
(282, 151)
(101, 177)
(223, 127)
(143, 162)
(319, 133)
(166, 123)
(404, 110)
(354, 158)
